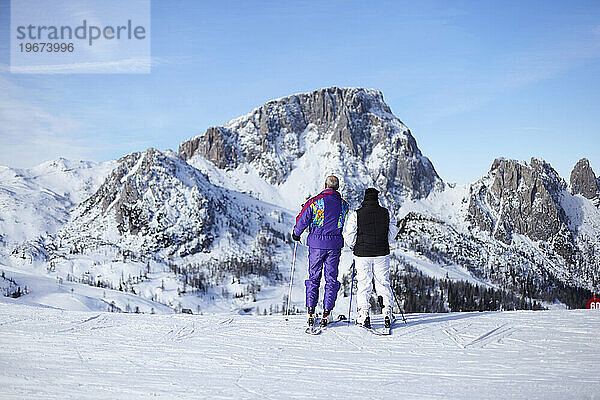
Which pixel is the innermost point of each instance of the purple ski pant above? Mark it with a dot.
(319, 260)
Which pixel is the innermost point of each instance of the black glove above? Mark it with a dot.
(296, 238)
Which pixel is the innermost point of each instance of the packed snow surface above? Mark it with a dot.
(51, 353)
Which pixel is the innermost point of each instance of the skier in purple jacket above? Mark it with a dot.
(324, 215)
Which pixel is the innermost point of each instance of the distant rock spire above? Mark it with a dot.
(584, 181)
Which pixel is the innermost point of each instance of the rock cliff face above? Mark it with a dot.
(354, 124)
(524, 199)
(584, 181)
(217, 145)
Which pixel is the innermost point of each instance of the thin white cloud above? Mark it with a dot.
(132, 65)
(512, 72)
(29, 134)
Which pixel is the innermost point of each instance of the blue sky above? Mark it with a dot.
(473, 80)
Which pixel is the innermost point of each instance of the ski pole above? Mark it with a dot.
(351, 287)
(287, 308)
(398, 304)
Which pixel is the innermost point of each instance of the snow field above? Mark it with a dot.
(49, 353)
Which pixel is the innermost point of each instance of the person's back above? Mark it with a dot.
(325, 220)
(372, 233)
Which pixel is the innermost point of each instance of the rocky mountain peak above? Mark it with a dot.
(584, 182)
(154, 203)
(521, 198)
(340, 114)
(153, 198)
(355, 124)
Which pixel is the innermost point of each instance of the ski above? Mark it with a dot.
(383, 331)
(317, 327)
(313, 330)
(340, 318)
(374, 331)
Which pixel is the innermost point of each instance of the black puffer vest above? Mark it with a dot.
(373, 223)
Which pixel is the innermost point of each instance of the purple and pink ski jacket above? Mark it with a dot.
(324, 215)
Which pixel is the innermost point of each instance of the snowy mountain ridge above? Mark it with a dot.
(208, 228)
(36, 202)
(517, 228)
(157, 218)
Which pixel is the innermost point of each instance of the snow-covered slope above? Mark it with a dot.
(35, 202)
(158, 228)
(47, 353)
(42, 290)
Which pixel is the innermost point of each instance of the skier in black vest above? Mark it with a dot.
(369, 232)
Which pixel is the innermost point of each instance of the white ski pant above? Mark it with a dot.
(368, 268)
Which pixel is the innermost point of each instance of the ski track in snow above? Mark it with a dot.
(48, 353)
